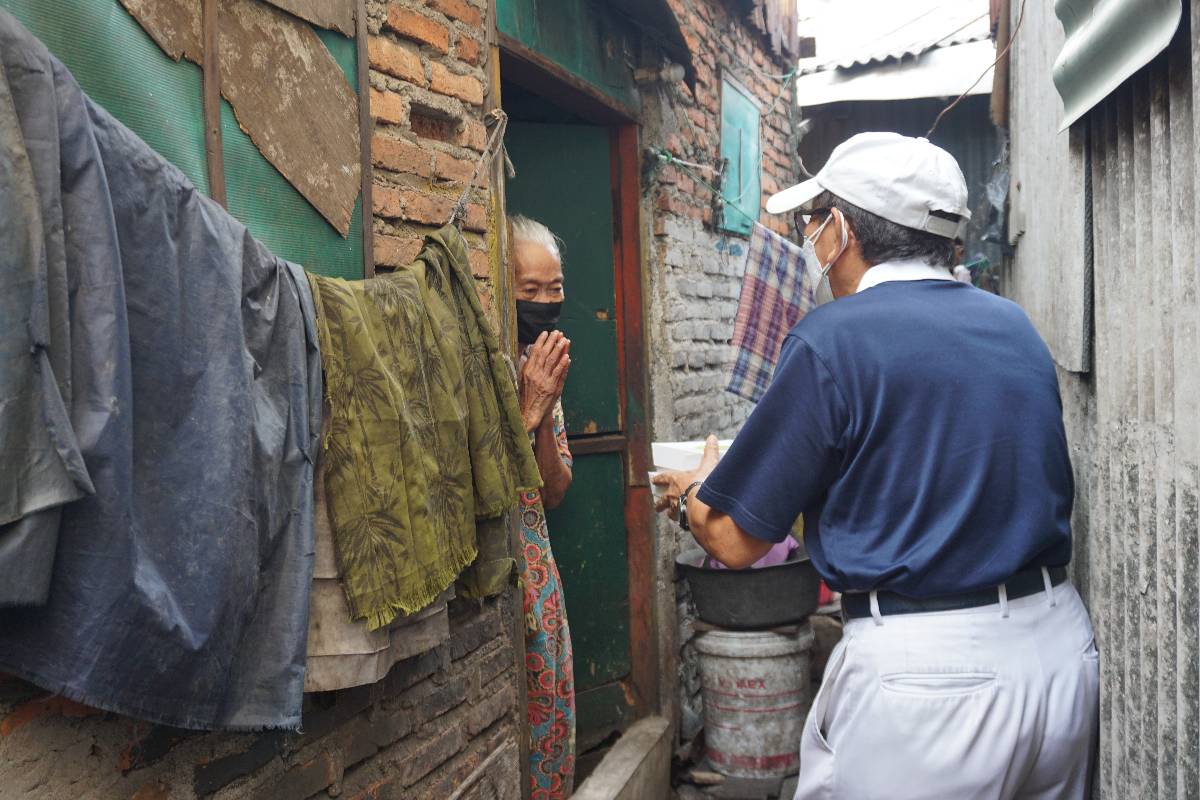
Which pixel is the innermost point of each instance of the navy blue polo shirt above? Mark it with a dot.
(917, 425)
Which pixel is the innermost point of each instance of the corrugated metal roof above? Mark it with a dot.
(937, 72)
(927, 26)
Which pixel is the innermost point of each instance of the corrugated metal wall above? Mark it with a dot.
(1134, 419)
(966, 132)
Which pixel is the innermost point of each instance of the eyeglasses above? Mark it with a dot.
(802, 220)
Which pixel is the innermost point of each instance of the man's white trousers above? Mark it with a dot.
(994, 702)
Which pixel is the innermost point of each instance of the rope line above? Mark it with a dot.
(1011, 38)
(498, 121)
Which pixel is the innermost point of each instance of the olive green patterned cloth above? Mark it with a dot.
(425, 434)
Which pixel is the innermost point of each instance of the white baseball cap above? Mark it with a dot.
(896, 177)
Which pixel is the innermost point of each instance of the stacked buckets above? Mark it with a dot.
(754, 662)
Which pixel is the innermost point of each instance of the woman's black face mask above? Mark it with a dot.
(534, 319)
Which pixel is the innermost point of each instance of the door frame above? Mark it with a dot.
(535, 73)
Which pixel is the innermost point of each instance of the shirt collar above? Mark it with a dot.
(907, 270)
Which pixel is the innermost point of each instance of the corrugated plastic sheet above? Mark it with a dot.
(122, 69)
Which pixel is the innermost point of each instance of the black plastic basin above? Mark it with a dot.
(751, 599)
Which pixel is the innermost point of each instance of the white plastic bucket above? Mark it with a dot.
(756, 691)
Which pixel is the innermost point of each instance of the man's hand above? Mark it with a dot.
(676, 482)
(543, 376)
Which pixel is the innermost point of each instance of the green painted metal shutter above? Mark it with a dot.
(741, 150)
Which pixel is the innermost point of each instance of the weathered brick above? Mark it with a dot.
(426, 208)
(460, 10)
(494, 706)
(477, 218)
(388, 201)
(154, 790)
(388, 107)
(440, 748)
(395, 251)
(400, 156)
(396, 59)
(473, 135)
(471, 627)
(495, 663)
(431, 700)
(469, 50)
(46, 705)
(149, 744)
(210, 776)
(467, 88)
(367, 734)
(453, 168)
(412, 671)
(419, 28)
(304, 780)
(481, 265)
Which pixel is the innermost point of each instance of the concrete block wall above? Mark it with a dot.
(694, 270)
(439, 722)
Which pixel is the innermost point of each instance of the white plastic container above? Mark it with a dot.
(679, 456)
(756, 691)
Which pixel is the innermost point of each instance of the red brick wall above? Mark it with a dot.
(424, 731)
(428, 83)
(720, 40)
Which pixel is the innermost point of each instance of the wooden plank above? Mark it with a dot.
(1048, 276)
(1180, 227)
(503, 305)
(366, 126)
(214, 149)
(174, 25)
(640, 524)
(287, 92)
(336, 14)
(590, 445)
(1187, 416)
(1141, 488)
(292, 99)
(1158, 614)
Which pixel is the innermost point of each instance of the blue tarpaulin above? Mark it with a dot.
(179, 589)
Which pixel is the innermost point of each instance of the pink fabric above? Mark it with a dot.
(776, 555)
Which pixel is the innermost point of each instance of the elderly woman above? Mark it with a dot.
(545, 360)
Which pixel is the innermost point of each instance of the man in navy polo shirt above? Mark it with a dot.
(916, 424)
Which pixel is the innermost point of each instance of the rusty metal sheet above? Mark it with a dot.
(292, 99)
(335, 14)
(174, 25)
(287, 91)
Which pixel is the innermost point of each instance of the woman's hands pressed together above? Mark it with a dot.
(543, 376)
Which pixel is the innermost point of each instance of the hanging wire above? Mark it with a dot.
(686, 166)
(494, 146)
(1012, 38)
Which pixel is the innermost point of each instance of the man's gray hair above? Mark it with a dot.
(533, 232)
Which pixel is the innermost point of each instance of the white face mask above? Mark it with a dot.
(818, 273)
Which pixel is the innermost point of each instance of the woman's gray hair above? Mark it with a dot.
(531, 231)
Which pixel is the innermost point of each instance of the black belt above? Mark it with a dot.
(858, 604)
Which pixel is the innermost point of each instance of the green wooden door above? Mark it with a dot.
(564, 180)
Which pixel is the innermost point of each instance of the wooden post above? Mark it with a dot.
(211, 87)
(503, 306)
(365, 130)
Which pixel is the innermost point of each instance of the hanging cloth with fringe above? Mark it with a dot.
(425, 432)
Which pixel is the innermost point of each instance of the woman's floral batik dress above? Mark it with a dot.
(548, 668)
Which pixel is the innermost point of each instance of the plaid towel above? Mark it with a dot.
(775, 295)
